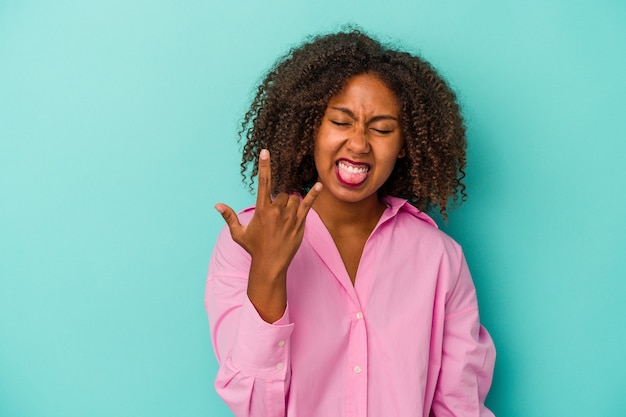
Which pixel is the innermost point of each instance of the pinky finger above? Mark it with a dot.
(308, 200)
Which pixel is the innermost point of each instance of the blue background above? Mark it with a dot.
(118, 123)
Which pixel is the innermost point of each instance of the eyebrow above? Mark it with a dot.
(373, 119)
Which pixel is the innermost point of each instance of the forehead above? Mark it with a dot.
(366, 92)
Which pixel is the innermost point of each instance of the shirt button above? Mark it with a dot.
(280, 366)
(359, 315)
(281, 343)
(357, 370)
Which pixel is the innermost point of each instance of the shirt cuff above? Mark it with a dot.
(262, 349)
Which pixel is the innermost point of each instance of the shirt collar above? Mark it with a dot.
(395, 205)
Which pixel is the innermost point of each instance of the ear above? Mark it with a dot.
(402, 153)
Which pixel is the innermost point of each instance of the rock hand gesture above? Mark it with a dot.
(272, 239)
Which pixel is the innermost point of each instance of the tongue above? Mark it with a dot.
(352, 177)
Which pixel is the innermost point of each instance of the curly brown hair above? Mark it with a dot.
(290, 102)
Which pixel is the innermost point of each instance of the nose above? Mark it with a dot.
(358, 141)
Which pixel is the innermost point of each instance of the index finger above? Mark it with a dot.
(264, 178)
(307, 201)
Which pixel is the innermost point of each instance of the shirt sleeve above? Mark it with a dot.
(467, 357)
(253, 355)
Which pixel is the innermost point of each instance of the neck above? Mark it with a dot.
(340, 215)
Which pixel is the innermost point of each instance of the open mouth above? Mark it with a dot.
(352, 173)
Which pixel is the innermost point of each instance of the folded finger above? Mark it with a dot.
(281, 199)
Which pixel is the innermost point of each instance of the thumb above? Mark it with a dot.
(231, 219)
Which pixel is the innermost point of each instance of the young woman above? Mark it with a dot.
(336, 295)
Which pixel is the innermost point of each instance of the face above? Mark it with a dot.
(358, 141)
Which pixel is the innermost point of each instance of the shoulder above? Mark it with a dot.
(427, 248)
(416, 228)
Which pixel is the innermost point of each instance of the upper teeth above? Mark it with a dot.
(352, 168)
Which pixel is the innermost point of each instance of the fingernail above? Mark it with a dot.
(264, 154)
(317, 186)
(219, 208)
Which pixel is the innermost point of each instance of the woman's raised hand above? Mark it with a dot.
(272, 239)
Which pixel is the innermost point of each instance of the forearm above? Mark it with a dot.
(267, 289)
(468, 354)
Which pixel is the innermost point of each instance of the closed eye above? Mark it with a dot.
(336, 123)
(382, 131)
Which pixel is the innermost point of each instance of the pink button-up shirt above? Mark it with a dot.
(404, 340)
